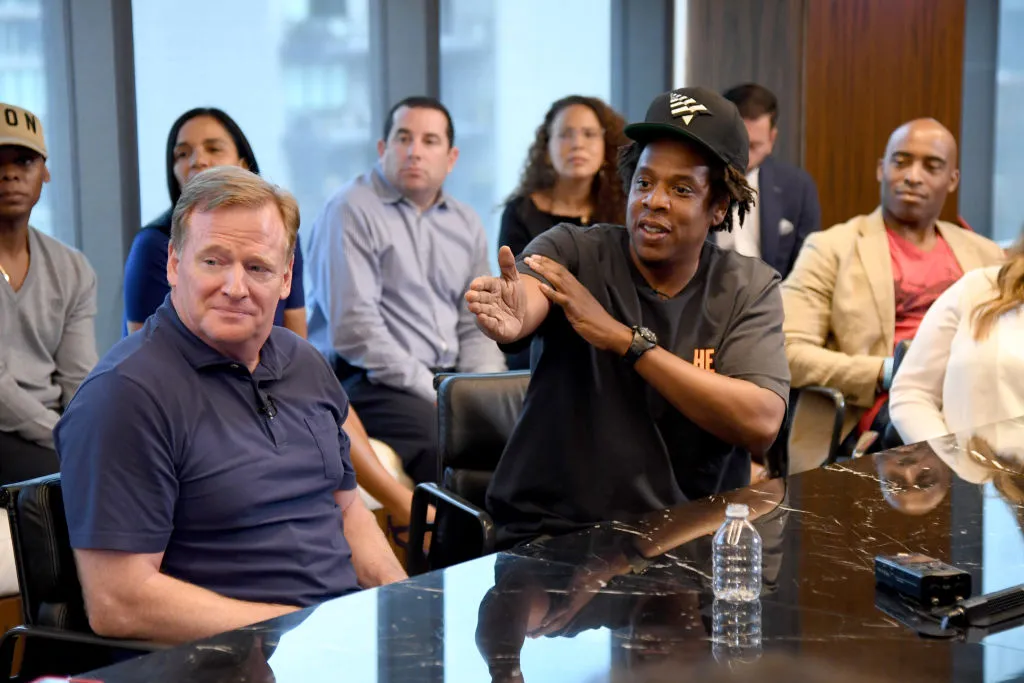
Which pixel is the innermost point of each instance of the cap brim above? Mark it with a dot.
(20, 142)
(645, 132)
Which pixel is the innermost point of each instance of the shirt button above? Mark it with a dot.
(235, 366)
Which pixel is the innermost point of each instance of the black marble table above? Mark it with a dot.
(561, 611)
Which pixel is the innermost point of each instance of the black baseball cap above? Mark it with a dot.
(700, 115)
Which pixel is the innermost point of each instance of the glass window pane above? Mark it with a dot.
(31, 76)
(502, 65)
(1007, 213)
(294, 74)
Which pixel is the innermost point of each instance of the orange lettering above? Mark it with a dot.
(709, 360)
(698, 358)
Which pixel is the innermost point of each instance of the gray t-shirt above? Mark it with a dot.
(595, 442)
(47, 338)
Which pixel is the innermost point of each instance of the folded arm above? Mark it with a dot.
(807, 300)
(735, 410)
(22, 414)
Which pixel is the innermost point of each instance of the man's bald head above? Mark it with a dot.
(917, 172)
(924, 129)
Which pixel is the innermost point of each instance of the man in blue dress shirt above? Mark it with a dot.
(206, 475)
(388, 260)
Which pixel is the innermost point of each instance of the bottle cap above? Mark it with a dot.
(737, 511)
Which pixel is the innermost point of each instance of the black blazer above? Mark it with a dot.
(789, 212)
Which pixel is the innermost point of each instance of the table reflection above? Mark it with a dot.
(571, 609)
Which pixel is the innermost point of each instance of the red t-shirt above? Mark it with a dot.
(919, 277)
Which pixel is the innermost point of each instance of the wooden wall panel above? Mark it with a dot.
(738, 41)
(870, 65)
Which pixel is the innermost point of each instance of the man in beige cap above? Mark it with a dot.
(47, 306)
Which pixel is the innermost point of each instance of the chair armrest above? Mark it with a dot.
(839, 406)
(444, 501)
(57, 636)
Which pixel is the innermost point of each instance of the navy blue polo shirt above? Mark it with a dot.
(168, 447)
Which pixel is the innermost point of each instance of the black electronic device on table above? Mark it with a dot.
(925, 580)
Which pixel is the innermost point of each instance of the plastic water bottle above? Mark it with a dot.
(737, 557)
(736, 631)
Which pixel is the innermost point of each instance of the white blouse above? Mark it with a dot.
(948, 382)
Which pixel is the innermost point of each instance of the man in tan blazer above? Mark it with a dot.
(861, 287)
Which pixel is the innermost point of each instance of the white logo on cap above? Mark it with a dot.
(685, 107)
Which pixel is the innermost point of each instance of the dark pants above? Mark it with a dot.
(21, 460)
(402, 420)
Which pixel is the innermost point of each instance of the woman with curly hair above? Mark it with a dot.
(569, 175)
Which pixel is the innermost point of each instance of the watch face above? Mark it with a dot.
(648, 335)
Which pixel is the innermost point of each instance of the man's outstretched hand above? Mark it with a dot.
(499, 303)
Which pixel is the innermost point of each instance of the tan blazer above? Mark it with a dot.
(840, 305)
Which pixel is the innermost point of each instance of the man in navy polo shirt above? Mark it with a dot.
(206, 476)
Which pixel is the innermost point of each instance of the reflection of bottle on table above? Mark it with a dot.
(736, 631)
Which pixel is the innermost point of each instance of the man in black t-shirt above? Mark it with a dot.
(659, 364)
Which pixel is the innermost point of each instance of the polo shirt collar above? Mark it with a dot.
(202, 356)
(391, 194)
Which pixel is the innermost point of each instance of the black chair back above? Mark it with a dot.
(476, 415)
(51, 595)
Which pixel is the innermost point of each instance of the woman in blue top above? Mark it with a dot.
(199, 139)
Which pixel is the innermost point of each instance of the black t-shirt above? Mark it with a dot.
(595, 442)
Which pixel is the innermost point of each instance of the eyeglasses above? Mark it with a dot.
(588, 134)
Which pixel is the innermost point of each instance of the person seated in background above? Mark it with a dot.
(660, 364)
(200, 138)
(787, 198)
(206, 477)
(390, 256)
(860, 288)
(965, 368)
(569, 177)
(47, 309)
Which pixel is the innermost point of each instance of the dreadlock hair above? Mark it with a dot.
(726, 182)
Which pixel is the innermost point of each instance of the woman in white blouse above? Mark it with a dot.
(965, 367)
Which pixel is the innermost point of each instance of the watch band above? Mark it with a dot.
(643, 341)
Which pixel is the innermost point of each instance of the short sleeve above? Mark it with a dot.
(558, 244)
(145, 275)
(117, 467)
(754, 346)
(297, 298)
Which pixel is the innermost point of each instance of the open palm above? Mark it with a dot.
(499, 303)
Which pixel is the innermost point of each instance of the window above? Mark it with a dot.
(502, 65)
(1007, 213)
(32, 76)
(294, 74)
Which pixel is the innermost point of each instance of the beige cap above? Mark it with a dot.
(21, 127)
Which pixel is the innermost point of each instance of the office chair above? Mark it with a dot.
(476, 414)
(890, 437)
(817, 414)
(56, 632)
